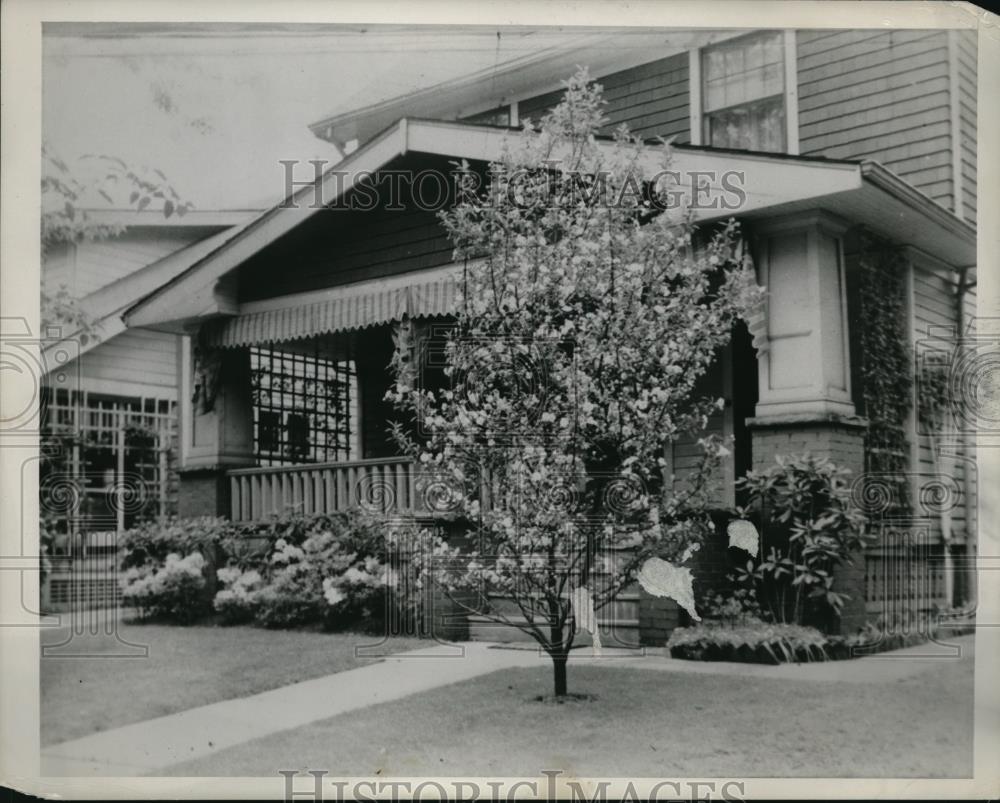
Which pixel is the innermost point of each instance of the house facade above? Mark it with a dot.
(857, 156)
(109, 415)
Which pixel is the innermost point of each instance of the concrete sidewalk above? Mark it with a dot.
(144, 747)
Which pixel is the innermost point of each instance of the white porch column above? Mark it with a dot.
(805, 369)
(804, 381)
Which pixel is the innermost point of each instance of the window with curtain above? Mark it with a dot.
(743, 93)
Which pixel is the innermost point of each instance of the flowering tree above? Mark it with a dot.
(589, 310)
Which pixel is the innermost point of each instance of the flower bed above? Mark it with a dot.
(757, 644)
(764, 643)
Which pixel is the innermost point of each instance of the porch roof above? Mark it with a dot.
(861, 192)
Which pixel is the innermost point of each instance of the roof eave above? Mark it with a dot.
(889, 182)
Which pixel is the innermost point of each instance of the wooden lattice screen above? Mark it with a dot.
(304, 406)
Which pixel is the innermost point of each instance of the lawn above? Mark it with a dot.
(642, 724)
(187, 667)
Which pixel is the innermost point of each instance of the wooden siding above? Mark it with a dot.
(862, 94)
(652, 99)
(145, 359)
(101, 262)
(967, 102)
(342, 246)
(880, 95)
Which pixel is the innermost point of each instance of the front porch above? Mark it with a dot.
(331, 293)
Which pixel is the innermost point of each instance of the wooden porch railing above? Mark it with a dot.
(384, 485)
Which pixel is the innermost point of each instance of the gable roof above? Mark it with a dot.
(862, 192)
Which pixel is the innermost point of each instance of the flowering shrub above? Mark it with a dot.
(152, 541)
(236, 602)
(174, 590)
(294, 570)
(325, 569)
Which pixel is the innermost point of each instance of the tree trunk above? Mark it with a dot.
(559, 648)
(559, 674)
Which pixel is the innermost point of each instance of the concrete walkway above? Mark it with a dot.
(145, 747)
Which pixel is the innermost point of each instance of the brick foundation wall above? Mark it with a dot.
(842, 441)
(844, 445)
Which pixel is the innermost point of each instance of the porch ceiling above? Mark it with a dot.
(860, 192)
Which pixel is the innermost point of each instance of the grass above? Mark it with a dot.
(186, 667)
(641, 724)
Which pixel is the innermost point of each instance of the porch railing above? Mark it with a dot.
(384, 485)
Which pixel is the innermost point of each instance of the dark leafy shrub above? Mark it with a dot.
(809, 526)
(731, 607)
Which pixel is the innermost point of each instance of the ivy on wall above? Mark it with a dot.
(886, 371)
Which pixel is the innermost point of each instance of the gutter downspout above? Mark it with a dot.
(967, 452)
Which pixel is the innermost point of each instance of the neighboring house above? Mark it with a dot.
(110, 414)
(838, 133)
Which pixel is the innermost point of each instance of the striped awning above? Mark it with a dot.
(343, 310)
(359, 306)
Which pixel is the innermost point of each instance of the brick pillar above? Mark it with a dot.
(215, 439)
(203, 492)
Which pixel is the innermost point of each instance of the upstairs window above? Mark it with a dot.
(743, 93)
